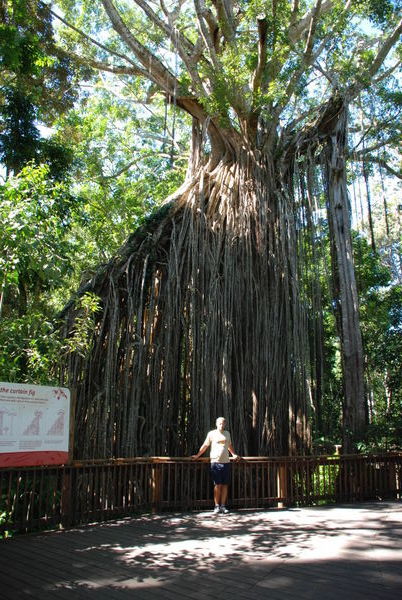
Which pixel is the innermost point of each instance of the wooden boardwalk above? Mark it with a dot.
(348, 552)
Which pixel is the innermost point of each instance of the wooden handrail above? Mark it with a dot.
(99, 489)
(180, 459)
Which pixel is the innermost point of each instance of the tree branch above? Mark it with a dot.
(293, 18)
(385, 49)
(171, 32)
(365, 151)
(209, 34)
(331, 77)
(90, 39)
(262, 52)
(103, 66)
(384, 164)
(387, 73)
(367, 77)
(225, 19)
(313, 23)
(297, 29)
(188, 52)
(133, 162)
(307, 57)
(156, 71)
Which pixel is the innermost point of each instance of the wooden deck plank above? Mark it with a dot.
(350, 551)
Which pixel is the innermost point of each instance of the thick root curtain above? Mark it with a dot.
(201, 317)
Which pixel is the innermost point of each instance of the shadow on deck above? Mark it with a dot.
(346, 552)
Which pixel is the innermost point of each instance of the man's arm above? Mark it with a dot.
(200, 451)
(232, 452)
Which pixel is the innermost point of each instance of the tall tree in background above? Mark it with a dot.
(34, 87)
(205, 310)
(37, 207)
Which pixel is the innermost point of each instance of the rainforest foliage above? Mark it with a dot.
(220, 181)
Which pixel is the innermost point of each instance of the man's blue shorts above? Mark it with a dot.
(220, 473)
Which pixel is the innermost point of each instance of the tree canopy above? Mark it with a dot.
(237, 63)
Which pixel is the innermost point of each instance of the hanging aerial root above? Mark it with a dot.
(199, 319)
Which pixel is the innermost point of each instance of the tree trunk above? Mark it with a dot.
(205, 308)
(201, 318)
(345, 288)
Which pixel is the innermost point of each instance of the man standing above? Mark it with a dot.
(221, 445)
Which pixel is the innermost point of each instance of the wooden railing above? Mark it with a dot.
(33, 498)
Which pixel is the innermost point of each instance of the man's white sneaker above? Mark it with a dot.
(224, 510)
(217, 510)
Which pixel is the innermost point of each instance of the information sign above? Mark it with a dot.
(34, 424)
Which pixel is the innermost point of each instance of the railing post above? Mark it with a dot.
(392, 479)
(66, 517)
(282, 484)
(155, 487)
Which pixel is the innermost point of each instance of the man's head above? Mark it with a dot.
(220, 423)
